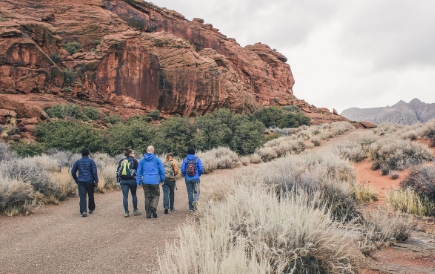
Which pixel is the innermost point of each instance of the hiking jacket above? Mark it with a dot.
(199, 167)
(174, 168)
(87, 170)
(135, 165)
(150, 170)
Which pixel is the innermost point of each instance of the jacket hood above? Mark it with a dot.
(149, 156)
(190, 156)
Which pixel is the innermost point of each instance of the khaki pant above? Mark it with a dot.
(152, 194)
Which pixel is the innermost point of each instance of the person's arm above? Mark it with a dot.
(95, 173)
(183, 167)
(74, 171)
(199, 166)
(118, 179)
(175, 167)
(139, 174)
(161, 171)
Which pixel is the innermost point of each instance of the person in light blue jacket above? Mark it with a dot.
(150, 173)
(192, 169)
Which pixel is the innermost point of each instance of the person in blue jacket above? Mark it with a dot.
(150, 173)
(192, 169)
(87, 181)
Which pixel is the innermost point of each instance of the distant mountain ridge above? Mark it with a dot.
(400, 113)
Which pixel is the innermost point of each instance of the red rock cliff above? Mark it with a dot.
(136, 55)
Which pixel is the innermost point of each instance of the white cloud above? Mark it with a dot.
(342, 53)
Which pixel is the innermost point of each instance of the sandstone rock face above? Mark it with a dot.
(134, 55)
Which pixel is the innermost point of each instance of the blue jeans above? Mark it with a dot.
(192, 187)
(168, 194)
(83, 189)
(132, 186)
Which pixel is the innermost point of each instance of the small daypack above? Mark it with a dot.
(126, 169)
(169, 171)
(191, 167)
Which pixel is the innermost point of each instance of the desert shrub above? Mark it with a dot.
(91, 113)
(394, 174)
(429, 131)
(24, 149)
(69, 76)
(72, 47)
(56, 58)
(315, 141)
(65, 183)
(422, 180)
(267, 154)
(64, 111)
(350, 150)
(407, 200)
(255, 158)
(154, 114)
(63, 158)
(107, 177)
(247, 134)
(15, 196)
(283, 118)
(291, 108)
(245, 160)
(218, 158)
(69, 135)
(297, 119)
(5, 152)
(264, 235)
(383, 225)
(395, 154)
(112, 119)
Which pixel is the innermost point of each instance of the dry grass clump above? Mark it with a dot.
(5, 152)
(407, 200)
(15, 197)
(107, 177)
(365, 194)
(218, 158)
(245, 160)
(395, 154)
(315, 141)
(383, 227)
(394, 174)
(429, 132)
(350, 150)
(252, 231)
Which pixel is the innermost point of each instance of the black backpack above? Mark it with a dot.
(191, 167)
(127, 169)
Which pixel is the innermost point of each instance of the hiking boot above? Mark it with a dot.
(91, 211)
(126, 214)
(148, 217)
(84, 214)
(153, 211)
(166, 211)
(136, 212)
(172, 209)
(194, 205)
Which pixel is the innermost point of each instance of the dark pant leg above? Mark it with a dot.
(171, 194)
(165, 188)
(148, 196)
(133, 188)
(155, 190)
(91, 201)
(125, 187)
(82, 194)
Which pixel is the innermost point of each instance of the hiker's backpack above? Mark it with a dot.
(169, 171)
(191, 167)
(126, 169)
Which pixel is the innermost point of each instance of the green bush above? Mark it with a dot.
(69, 135)
(63, 111)
(135, 23)
(56, 58)
(69, 76)
(92, 113)
(269, 116)
(154, 114)
(112, 119)
(135, 134)
(290, 119)
(28, 149)
(72, 47)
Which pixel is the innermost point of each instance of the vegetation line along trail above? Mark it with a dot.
(58, 239)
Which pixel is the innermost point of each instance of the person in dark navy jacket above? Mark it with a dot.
(87, 181)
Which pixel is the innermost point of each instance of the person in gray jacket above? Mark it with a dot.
(87, 181)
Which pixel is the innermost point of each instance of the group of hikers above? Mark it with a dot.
(147, 173)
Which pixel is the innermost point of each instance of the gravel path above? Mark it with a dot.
(56, 239)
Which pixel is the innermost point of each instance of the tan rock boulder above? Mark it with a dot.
(368, 125)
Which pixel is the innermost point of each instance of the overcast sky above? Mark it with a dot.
(361, 53)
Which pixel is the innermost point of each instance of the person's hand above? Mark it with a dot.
(95, 184)
(139, 186)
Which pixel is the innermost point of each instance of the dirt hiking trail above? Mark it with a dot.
(56, 239)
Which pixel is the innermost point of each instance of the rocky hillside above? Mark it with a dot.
(401, 113)
(132, 57)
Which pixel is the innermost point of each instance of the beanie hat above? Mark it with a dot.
(85, 151)
(190, 150)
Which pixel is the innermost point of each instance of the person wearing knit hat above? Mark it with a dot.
(192, 169)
